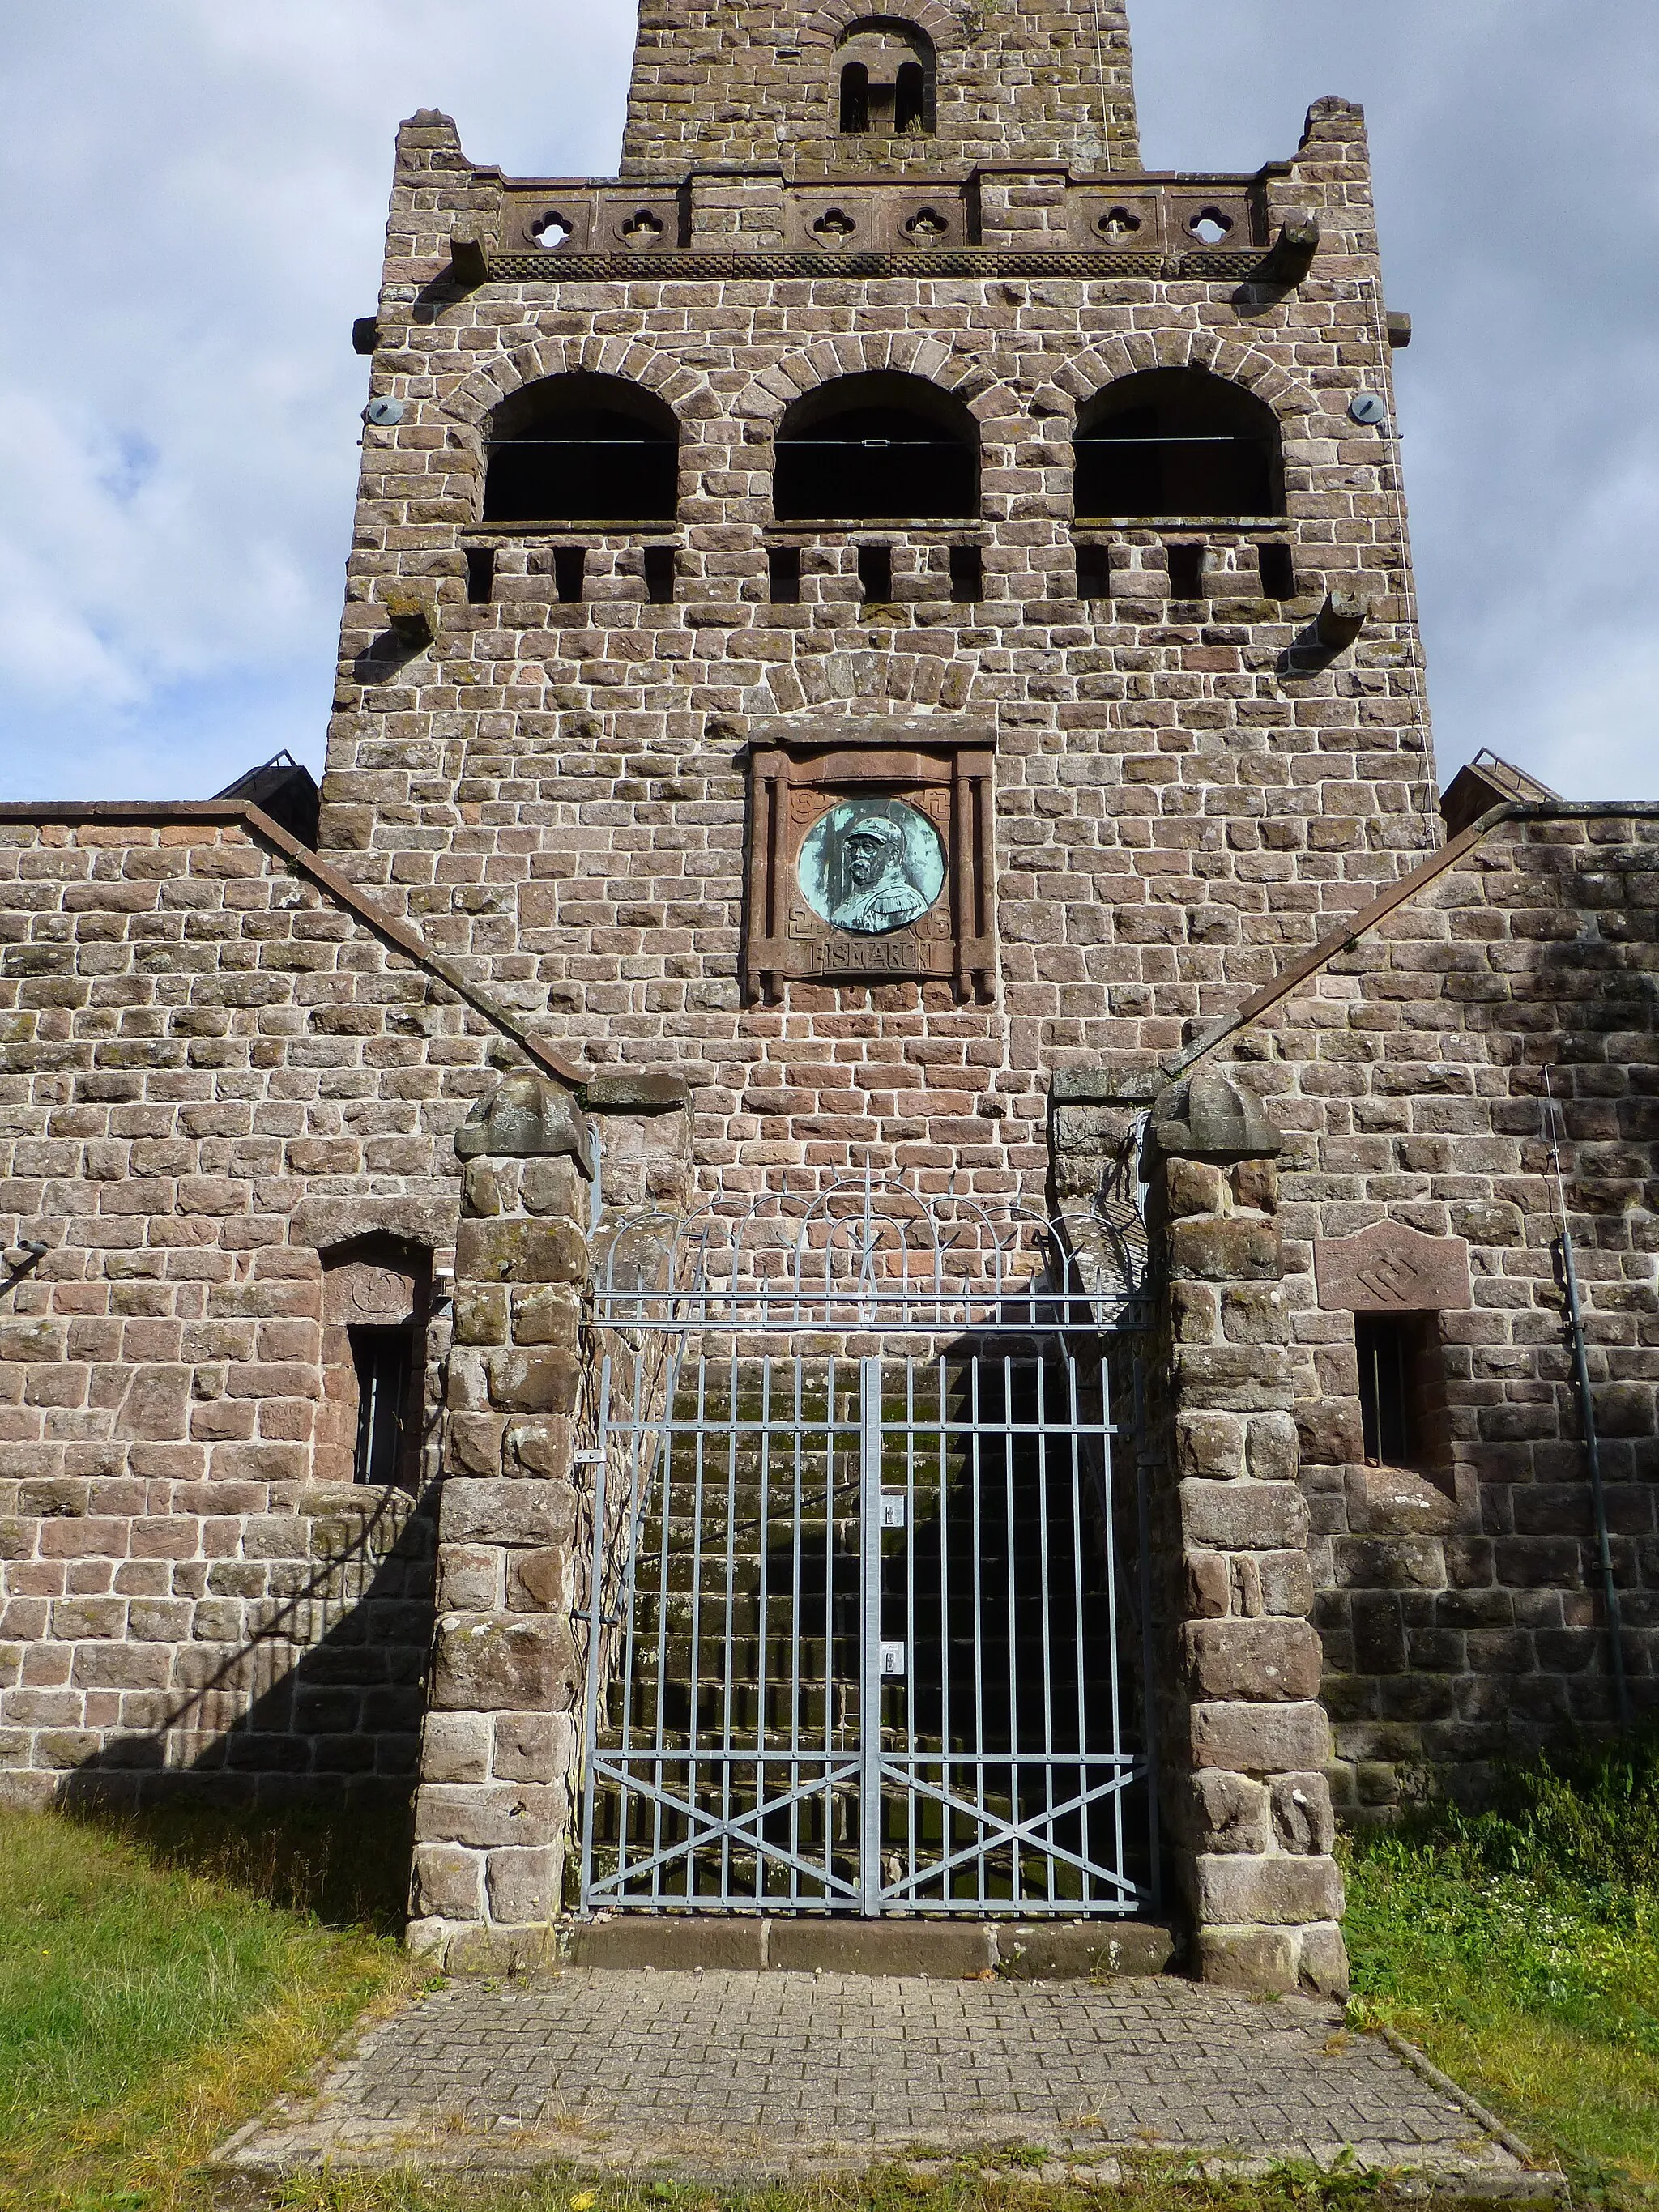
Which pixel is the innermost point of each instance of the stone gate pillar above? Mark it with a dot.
(1244, 1739)
(498, 1747)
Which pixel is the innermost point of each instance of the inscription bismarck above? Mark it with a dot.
(904, 953)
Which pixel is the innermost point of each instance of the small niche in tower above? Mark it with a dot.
(657, 563)
(1186, 572)
(967, 575)
(480, 574)
(569, 572)
(783, 576)
(887, 81)
(1094, 572)
(876, 573)
(1278, 571)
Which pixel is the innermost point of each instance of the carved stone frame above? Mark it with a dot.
(944, 767)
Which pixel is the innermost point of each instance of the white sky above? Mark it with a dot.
(195, 194)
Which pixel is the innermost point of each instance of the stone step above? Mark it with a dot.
(944, 1948)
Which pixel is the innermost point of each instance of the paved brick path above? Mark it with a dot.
(765, 2070)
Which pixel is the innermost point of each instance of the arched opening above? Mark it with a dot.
(910, 99)
(581, 448)
(855, 97)
(1177, 441)
(888, 80)
(376, 1295)
(876, 447)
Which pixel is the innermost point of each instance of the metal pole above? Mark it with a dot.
(1592, 1447)
(870, 1636)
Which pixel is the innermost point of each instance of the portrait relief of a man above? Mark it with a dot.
(871, 868)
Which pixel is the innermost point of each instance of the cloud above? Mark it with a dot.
(205, 207)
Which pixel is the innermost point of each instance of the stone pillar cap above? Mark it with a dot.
(1211, 1118)
(527, 1118)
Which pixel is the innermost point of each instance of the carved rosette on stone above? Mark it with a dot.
(1246, 1740)
(498, 1749)
(871, 853)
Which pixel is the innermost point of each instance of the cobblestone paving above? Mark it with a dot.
(768, 2070)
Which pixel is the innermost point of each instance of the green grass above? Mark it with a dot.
(161, 1982)
(151, 1996)
(1520, 1950)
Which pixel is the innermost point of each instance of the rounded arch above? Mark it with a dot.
(887, 78)
(877, 446)
(1177, 440)
(581, 445)
(828, 23)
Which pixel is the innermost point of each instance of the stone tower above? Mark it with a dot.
(884, 436)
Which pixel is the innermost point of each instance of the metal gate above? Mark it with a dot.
(866, 1629)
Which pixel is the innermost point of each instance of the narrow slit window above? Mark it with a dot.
(1386, 1349)
(876, 572)
(1278, 572)
(783, 576)
(480, 574)
(569, 572)
(967, 575)
(1186, 572)
(383, 1358)
(910, 99)
(1094, 572)
(657, 563)
(854, 99)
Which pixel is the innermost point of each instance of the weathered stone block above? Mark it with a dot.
(515, 1662)
(1270, 1449)
(480, 1313)
(1229, 1812)
(1260, 1739)
(534, 1383)
(538, 1582)
(1243, 1247)
(1244, 1516)
(1210, 1446)
(1273, 1661)
(523, 1884)
(1191, 1187)
(455, 1748)
(470, 1578)
(507, 1512)
(542, 1448)
(1254, 1959)
(547, 1314)
(448, 1882)
(533, 1746)
(1302, 1820)
(1273, 1892)
(473, 1444)
(520, 1815)
(519, 1250)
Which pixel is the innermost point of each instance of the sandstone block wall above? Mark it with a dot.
(553, 793)
(1459, 1605)
(212, 1074)
(1050, 81)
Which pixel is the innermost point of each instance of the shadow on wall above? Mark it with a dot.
(316, 1713)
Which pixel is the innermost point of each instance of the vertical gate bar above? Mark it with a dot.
(659, 1767)
(732, 1433)
(1041, 1443)
(911, 1639)
(1085, 1811)
(595, 1606)
(694, 1847)
(638, 1478)
(947, 1819)
(1014, 1670)
(626, 1793)
(869, 1634)
(979, 1624)
(797, 1610)
(1145, 1533)
(828, 1617)
(760, 1625)
(1116, 1698)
